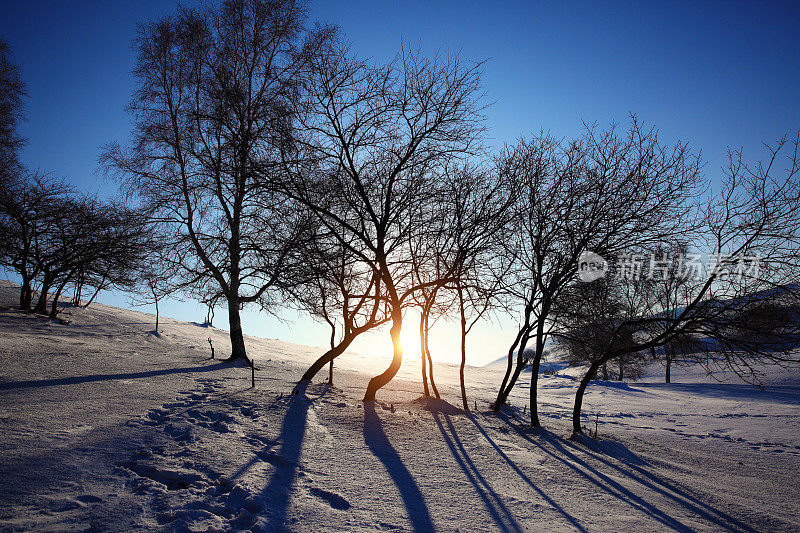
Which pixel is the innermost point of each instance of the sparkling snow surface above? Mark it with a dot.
(105, 426)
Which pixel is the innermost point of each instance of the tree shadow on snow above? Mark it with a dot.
(74, 380)
(568, 517)
(379, 445)
(566, 453)
(494, 504)
(286, 461)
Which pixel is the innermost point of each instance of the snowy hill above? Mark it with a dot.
(108, 427)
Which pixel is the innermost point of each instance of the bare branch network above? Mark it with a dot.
(270, 166)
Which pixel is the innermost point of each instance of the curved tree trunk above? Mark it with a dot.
(94, 294)
(326, 359)
(430, 360)
(502, 396)
(576, 410)
(56, 296)
(505, 385)
(381, 380)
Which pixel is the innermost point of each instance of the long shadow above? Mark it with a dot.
(732, 391)
(500, 514)
(379, 445)
(278, 490)
(665, 488)
(29, 384)
(602, 481)
(615, 489)
(571, 519)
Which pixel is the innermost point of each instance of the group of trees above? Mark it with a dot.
(275, 168)
(55, 240)
(283, 169)
(51, 237)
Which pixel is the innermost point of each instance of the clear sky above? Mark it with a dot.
(714, 74)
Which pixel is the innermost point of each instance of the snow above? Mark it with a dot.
(106, 426)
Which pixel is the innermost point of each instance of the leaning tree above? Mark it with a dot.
(375, 137)
(606, 192)
(741, 310)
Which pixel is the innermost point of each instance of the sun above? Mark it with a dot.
(409, 335)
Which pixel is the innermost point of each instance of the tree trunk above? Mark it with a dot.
(463, 349)
(381, 380)
(430, 360)
(76, 297)
(519, 343)
(505, 386)
(668, 355)
(94, 294)
(576, 411)
(621, 368)
(534, 391)
(330, 373)
(237, 336)
(54, 304)
(41, 304)
(156, 300)
(25, 295)
(327, 358)
(425, 390)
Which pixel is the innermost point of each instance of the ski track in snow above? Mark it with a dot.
(108, 427)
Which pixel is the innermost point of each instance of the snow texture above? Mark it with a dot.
(105, 426)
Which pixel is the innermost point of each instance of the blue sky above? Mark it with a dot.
(713, 74)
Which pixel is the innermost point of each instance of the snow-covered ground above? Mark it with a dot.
(104, 426)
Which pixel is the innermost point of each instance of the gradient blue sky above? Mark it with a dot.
(714, 74)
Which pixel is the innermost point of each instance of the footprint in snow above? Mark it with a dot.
(331, 498)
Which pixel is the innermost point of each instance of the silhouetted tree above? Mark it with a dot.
(212, 111)
(336, 289)
(29, 214)
(376, 136)
(743, 310)
(606, 192)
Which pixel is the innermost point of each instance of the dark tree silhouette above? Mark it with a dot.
(744, 309)
(335, 288)
(606, 192)
(212, 110)
(28, 213)
(12, 92)
(376, 136)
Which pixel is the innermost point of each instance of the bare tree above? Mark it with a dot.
(337, 290)
(28, 213)
(743, 310)
(212, 113)
(156, 277)
(606, 192)
(89, 238)
(12, 92)
(376, 136)
(476, 211)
